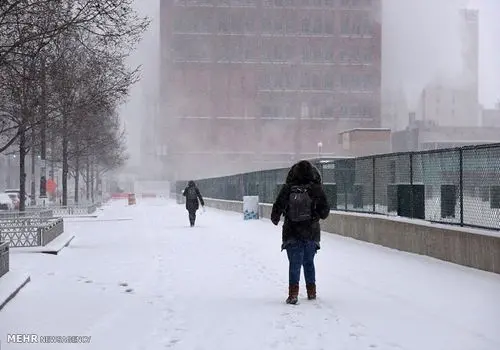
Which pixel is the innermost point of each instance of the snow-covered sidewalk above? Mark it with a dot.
(139, 278)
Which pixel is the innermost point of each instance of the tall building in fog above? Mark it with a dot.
(457, 104)
(259, 83)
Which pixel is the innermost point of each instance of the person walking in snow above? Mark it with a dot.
(302, 202)
(192, 194)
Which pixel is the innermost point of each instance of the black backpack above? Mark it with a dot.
(300, 204)
(191, 194)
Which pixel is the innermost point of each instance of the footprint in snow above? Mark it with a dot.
(172, 343)
(129, 290)
(124, 284)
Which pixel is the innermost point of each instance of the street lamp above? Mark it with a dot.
(320, 146)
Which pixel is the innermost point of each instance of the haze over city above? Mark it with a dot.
(420, 43)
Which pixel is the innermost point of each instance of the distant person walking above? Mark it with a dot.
(192, 194)
(302, 202)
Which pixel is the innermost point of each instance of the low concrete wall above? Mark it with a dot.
(4, 258)
(474, 248)
(224, 204)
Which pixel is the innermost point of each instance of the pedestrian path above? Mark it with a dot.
(141, 278)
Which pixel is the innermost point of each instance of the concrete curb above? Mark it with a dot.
(23, 281)
(53, 247)
(56, 251)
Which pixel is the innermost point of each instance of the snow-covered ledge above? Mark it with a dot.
(4, 258)
(470, 247)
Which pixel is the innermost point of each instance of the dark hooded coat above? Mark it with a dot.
(193, 204)
(302, 173)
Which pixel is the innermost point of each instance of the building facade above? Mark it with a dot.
(250, 84)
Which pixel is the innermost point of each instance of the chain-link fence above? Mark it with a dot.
(456, 186)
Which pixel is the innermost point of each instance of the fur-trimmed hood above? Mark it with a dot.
(303, 173)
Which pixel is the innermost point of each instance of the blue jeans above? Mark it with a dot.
(301, 253)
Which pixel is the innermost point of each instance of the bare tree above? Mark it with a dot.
(55, 58)
(42, 21)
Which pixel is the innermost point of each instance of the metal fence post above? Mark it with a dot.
(346, 174)
(373, 184)
(461, 182)
(411, 186)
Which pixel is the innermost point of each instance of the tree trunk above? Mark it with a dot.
(43, 137)
(77, 179)
(65, 161)
(92, 177)
(87, 179)
(98, 183)
(33, 167)
(22, 167)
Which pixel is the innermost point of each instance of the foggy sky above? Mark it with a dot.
(420, 42)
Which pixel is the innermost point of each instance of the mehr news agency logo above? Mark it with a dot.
(24, 338)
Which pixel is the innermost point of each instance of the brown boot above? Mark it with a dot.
(293, 294)
(311, 291)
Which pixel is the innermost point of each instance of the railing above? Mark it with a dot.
(74, 210)
(4, 258)
(30, 231)
(30, 212)
(458, 186)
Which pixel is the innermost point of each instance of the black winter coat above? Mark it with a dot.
(302, 173)
(193, 205)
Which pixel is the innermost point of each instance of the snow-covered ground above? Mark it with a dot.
(222, 285)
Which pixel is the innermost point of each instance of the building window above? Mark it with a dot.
(345, 82)
(278, 82)
(305, 81)
(317, 25)
(250, 50)
(328, 23)
(267, 24)
(329, 55)
(249, 24)
(289, 79)
(327, 112)
(306, 25)
(329, 82)
(271, 111)
(316, 81)
(191, 50)
(356, 24)
(278, 25)
(317, 54)
(307, 53)
(291, 23)
(224, 23)
(368, 57)
(236, 24)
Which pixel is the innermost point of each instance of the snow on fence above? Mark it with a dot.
(30, 231)
(4, 258)
(30, 212)
(71, 210)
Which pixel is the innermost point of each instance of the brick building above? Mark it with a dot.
(247, 84)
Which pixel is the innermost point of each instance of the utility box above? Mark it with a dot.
(495, 197)
(448, 201)
(411, 201)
